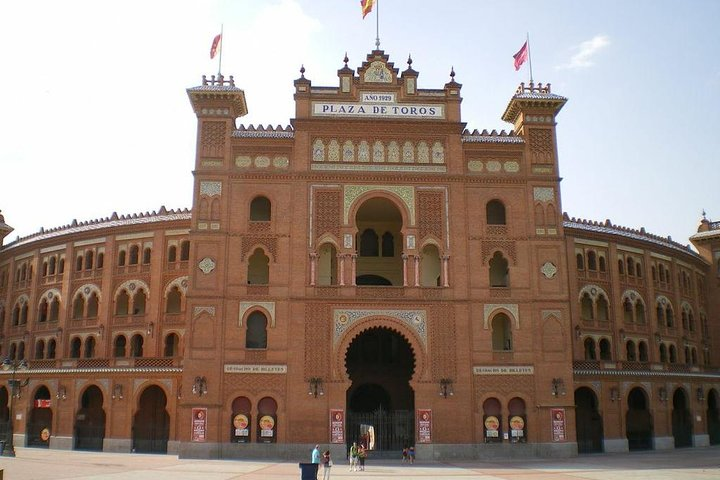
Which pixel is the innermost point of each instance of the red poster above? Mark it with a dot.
(199, 424)
(337, 426)
(558, 424)
(424, 426)
(42, 403)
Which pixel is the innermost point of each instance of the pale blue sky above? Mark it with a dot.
(91, 89)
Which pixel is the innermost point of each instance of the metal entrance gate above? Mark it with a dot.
(391, 430)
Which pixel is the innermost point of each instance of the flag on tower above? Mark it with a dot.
(366, 6)
(215, 45)
(521, 56)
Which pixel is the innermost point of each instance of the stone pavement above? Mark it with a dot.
(40, 464)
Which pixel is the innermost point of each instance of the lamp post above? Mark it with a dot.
(15, 386)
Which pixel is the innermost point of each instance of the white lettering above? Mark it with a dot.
(377, 109)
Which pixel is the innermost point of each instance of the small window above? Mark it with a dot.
(134, 255)
(121, 258)
(119, 346)
(89, 347)
(78, 264)
(630, 348)
(256, 335)
(501, 333)
(136, 346)
(601, 263)
(78, 307)
(643, 352)
(89, 260)
(592, 260)
(495, 212)
(171, 345)
(75, 348)
(172, 254)
(579, 261)
(369, 243)
(589, 345)
(122, 303)
(258, 268)
(100, 260)
(146, 255)
(184, 250)
(499, 272)
(621, 267)
(605, 352)
(260, 210)
(174, 301)
(52, 266)
(51, 346)
(388, 245)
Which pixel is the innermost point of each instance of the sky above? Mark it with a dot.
(96, 119)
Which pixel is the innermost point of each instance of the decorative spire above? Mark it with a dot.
(346, 60)
(302, 71)
(409, 61)
(452, 74)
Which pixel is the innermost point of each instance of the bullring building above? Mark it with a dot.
(374, 272)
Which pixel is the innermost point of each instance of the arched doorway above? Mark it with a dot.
(713, 417)
(39, 426)
(681, 420)
(151, 424)
(380, 401)
(588, 422)
(639, 424)
(90, 421)
(379, 243)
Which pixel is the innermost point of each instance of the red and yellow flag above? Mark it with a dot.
(215, 45)
(366, 6)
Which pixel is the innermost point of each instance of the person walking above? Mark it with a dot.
(362, 455)
(411, 455)
(315, 458)
(326, 463)
(354, 457)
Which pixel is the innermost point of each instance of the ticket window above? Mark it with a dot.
(241, 420)
(492, 421)
(517, 421)
(267, 421)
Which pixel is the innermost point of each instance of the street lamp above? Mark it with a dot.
(15, 386)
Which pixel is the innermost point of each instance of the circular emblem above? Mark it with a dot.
(267, 422)
(45, 435)
(207, 265)
(343, 319)
(49, 295)
(517, 422)
(86, 290)
(132, 286)
(548, 269)
(492, 423)
(240, 421)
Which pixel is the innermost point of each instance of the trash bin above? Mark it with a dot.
(308, 471)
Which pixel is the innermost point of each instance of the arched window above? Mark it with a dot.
(136, 346)
(660, 312)
(621, 267)
(39, 350)
(172, 341)
(256, 335)
(627, 311)
(78, 263)
(100, 260)
(640, 312)
(44, 269)
(495, 212)
(260, 210)
(673, 354)
(24, 314)
(122, 303)
(75, 347)
(499, 272)
(327, 265)
(630, 353)
(121, 258)
(369, 243)
(54, 310)
(579, 261)
(185, 250)
(653, 272)
(88, 260)
(684, 319)
(119, 346)
(89, 347)
(21, 351)
(501, 333)
(258, 268)
(51, 346)
(139, 301)
(638, 269)
(13, 351)
(601, 263)
(663, 353)
(694, 356)
(61, 266)
(605, 352)
(688, 359)
(670, 317)
(92, 308)
(174, 300)
(388, 245)
(430, 266)
(492, 420)
(586, 307)
(691, 321)
(630, 267)
(172, 254)
(603, 308)
(78, 307)
(43, 311)
(147, 253)
(134, 255)
(643, 351)
(51, 266)
(589, 345)
(592, 260)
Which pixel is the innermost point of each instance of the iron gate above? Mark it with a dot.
(391, 430)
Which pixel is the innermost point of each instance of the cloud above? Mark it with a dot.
(585, 52)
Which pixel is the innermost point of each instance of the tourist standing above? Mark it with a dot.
(411, 455)
(326, 463)
(354, 457)
(362, 455)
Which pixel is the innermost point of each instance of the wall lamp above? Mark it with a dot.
(622, 334)
(61, 393)
(315, 387)
(700, 394)
(446, 388)
(558, 387)
(117, 391)
(662, 394)
(199, 387)
(101, 331)
(658, 338)
(578, 331)
(150, 328)
(614, 394)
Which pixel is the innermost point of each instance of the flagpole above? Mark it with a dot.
(529, 56)
(377, 25)
(220, 56)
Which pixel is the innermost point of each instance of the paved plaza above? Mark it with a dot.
(38, 464)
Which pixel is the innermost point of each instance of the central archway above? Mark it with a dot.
(380, 402)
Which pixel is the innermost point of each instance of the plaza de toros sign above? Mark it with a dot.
(378, 105)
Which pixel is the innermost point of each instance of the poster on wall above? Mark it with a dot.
(337, 426)
(241, 428)
(492, 428)
(266, 428)
(558, 424)
(199, 424)
(424, 426)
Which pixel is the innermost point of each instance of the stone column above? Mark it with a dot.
(404, 260)
(313, 264)
(445, 259)
(354, 269)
